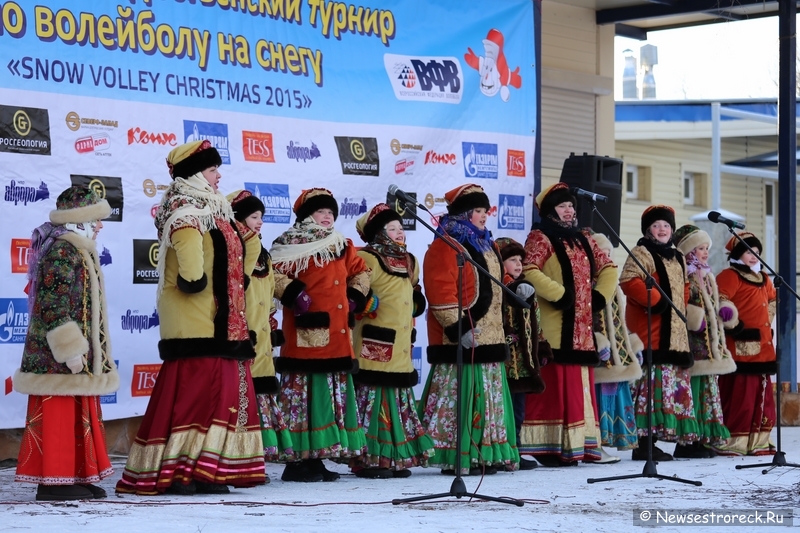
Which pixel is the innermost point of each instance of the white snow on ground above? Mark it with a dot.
(557, 499)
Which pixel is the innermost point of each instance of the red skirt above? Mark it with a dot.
(748, 408)
(201, 424)
(64, 441)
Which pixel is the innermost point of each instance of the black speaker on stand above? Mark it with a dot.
(601, 175)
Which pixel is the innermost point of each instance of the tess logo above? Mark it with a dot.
(144, 379)
(516, 163)
(257, 146)
(20, 249)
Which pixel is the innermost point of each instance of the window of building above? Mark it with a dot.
(689, 183)
(769, 196)
(632, 182)
(636, 182)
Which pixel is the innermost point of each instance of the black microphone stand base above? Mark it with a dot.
(459, 490)
(649, 471)
(779, 459)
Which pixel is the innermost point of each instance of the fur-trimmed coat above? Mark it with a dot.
(68, 319)
(319, 341)
(668, 334)
(749, 333)
(258, 297)
(526, 349)
(383, 343)
(610, 324)
(482, 301)
(711, 355)
(569, 281)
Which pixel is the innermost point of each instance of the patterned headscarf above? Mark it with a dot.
(461, 229)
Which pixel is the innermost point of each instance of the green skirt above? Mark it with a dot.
(708, 411)
(321, 415)
(274, 431)
(488, 433)
(673, 409)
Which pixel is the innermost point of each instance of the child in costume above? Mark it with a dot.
(382, 340)
(66, 363)
(321, 282)
(249, 210)
(747, 308)
(707, 342)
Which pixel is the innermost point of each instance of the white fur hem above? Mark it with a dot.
(601, 340)
(711, 367)
(66, 384)
(67, 341)
(636, 343)
(694, 317)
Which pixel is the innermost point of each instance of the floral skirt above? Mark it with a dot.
(708, 411)
(487, 416)
(275, 434)
(562, 421)
(673, 408)
(749, 408)
(64, 441)
(615, 409)
(395, 436)
(322, 417)
(201, 424)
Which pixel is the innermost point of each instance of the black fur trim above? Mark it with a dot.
(277, 338)
(246, 207)
(313, 319)
(446, 354)
(739, 249)
(246, 281)
(175, 349)
(291, 292)
(420, 303)
(657, 213)
(671, 357)
(286, 365)
(555, 197)
(197, 162)
(575, 357)
(266, 385)
(413, 335)
(357, 297)
(566, 301)
(351, 320)
(769, 367)
(253, 336)
(219, 283)
(665, 334)
(533, 384)
(465, 202)
(661, 307)
(320, 201)
(374, 378)
(747, 334)
(377, 333)
(192, 287)
(598, 301)
(735, 330)
(377, 223)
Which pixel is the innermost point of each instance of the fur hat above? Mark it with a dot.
(736, 249)
(190, 158)
(245, 204)
(374, 220)
(603, 243)
(549, 198)
(658, 212)
(466, 197)
(509, 248)
(310, 200)
(77, 205)
(689, 237)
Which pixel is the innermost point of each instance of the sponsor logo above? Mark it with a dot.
(404, 166)
(105, 257)
(358, 155)
(416, 358)
(9, 385)
(106, 187)
(299, 152)
(409, 222)
(431, 201)
(135, 322)
(110, 398)
(435, 158)
(511, 212)
(150, 188)
(275, 196)
(20, 251)
(515, 163)
(408, 162)
(348, 209)
(144, 379)
(145, 261)
(480, 160)
(74, 122)
(425, 78)
(13, 320)
(216, 134)
(24, 130)
(139, 136)
(257, 146)
(99, 143)
(19, 192)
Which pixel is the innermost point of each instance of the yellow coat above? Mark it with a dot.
(259, 307)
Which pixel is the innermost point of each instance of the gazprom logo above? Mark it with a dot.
(275, 197)
(480, 160)
(511, 212)
(14, 319)
(213, 132)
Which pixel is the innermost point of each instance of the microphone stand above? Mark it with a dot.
(458, 488)
(779, 459)
(649, 470)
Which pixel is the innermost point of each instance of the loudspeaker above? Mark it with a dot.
(601, 175)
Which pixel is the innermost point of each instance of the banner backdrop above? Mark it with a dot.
(294, 94)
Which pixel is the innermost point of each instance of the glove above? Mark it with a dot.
(525, 291)
(302, 304)
(351, 305)
(702, 326)
(604, 353)
(726, 314)
(75, 364)
(468, 339)
(640, 358)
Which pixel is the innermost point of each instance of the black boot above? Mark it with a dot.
(640, 453)
(182, 489)
(374, 473)
(211, 488)
(97, 492)
(316, 465)
(61, 493)
(299, 471)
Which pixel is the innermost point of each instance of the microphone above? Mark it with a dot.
(594, 197)
(402, 196)
(713, 216)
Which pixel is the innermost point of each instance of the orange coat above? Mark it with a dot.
(319, 340)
